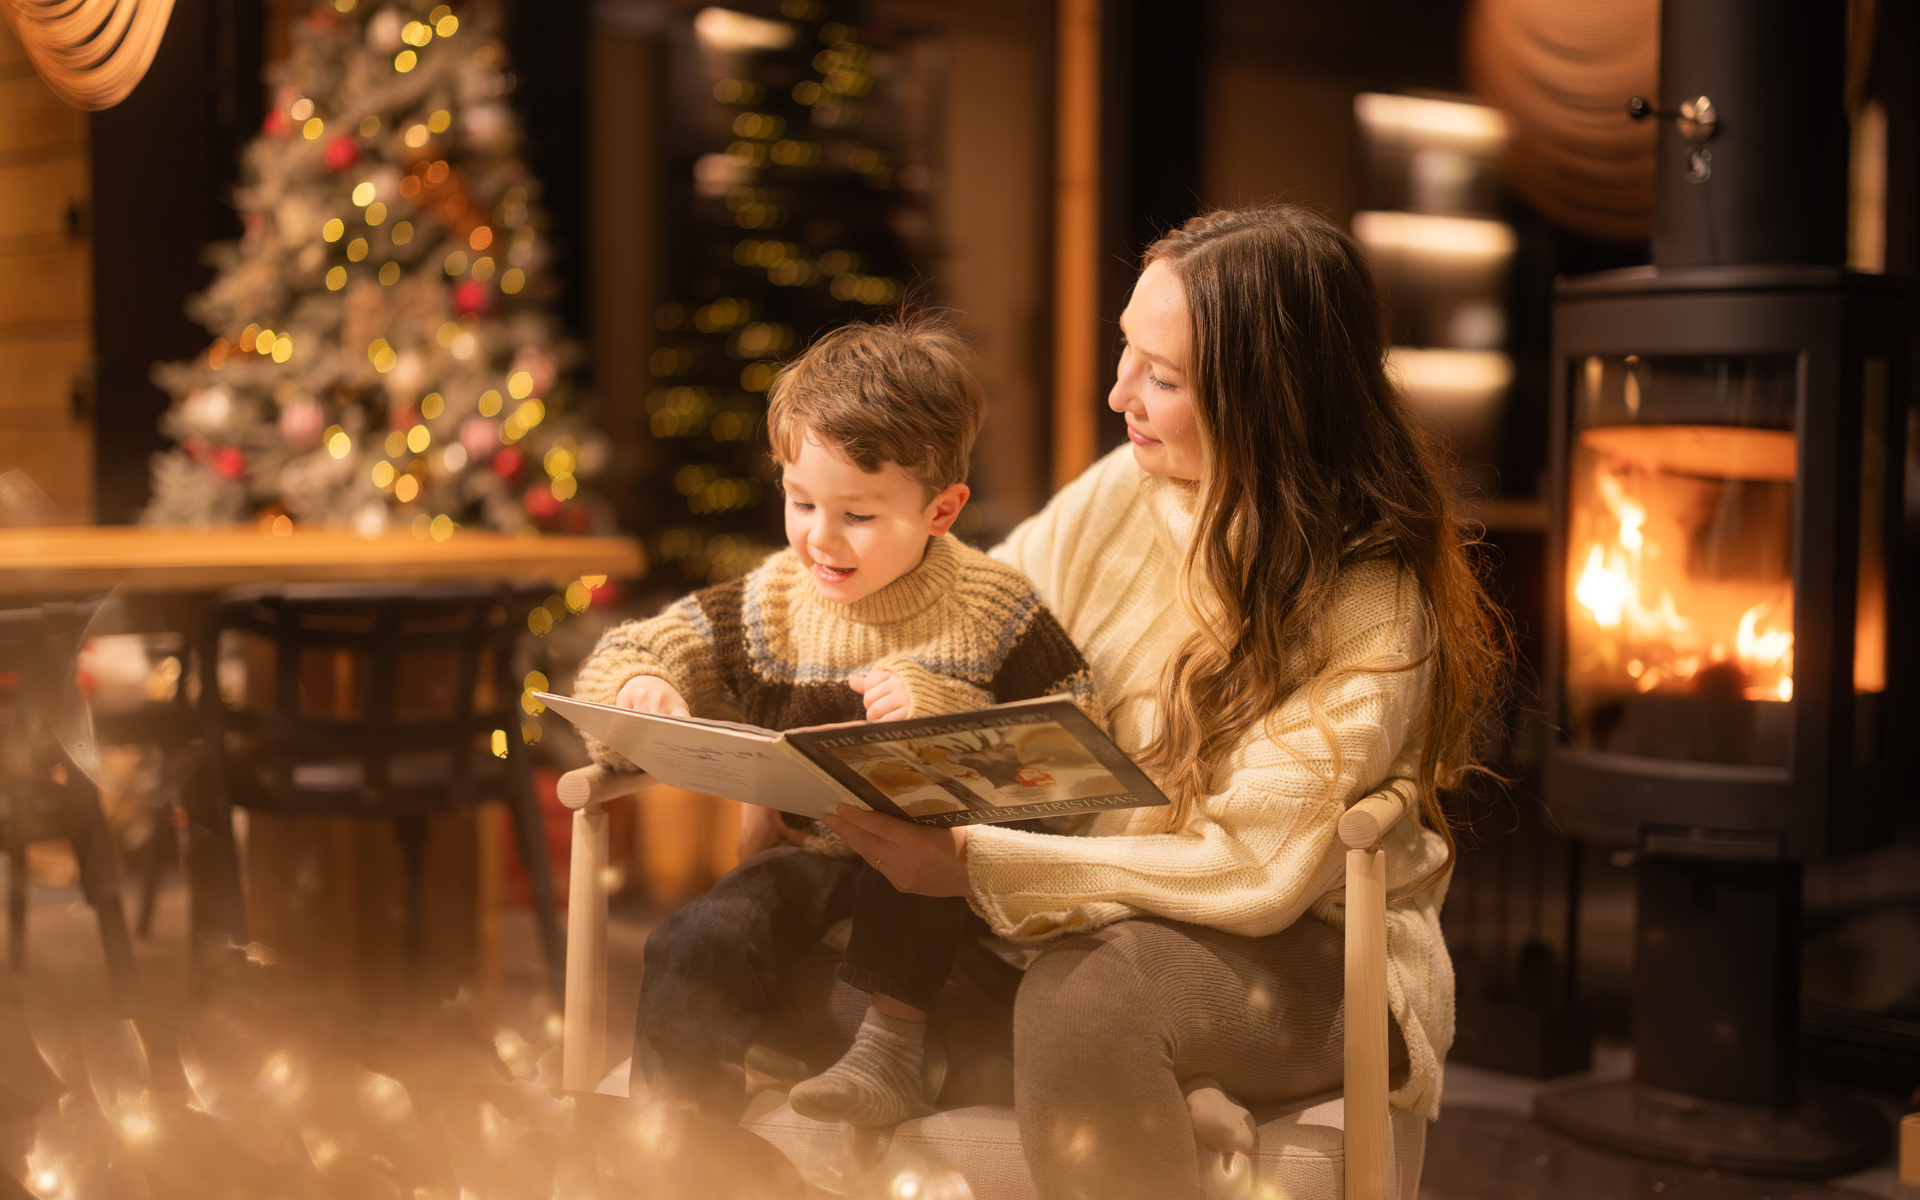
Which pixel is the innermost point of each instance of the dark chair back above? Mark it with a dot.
(348, 700)
(389, 702)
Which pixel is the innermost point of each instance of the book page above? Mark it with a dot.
(740, 762)
(1012, 762)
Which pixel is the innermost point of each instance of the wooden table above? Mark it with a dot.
(64, 561)
(323, 891)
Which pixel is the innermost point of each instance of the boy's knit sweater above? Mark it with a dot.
(961, 630)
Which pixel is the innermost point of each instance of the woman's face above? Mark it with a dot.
(1152, 390)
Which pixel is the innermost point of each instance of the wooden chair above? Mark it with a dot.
(44, 794)
(380, 702)
(1347, 1144)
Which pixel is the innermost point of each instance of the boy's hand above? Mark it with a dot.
(762, 827)
(885, 694)
(652, 694)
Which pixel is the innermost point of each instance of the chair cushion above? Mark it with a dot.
(975, 1152)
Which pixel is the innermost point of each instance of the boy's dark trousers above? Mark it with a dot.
(715, 968)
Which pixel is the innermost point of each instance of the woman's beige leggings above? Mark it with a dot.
(1107, 1025)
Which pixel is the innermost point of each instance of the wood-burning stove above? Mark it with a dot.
(1727, 425)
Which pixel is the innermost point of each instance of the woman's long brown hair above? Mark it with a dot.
(1313, 464)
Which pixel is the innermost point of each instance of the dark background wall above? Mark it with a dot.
(164, 161)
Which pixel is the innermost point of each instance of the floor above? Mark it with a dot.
(264, 1093)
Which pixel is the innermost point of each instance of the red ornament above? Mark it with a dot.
(341, 152)
(408, 418)
(228, 462)
(507, 463)
(320, 20)
(472, 296)
(541, 503)
(606, 593)
(577, 519)
(277, 124)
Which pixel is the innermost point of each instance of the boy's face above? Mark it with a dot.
(857, 532)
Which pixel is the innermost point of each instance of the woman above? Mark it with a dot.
(1271, 582)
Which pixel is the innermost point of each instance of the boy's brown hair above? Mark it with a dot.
(896, 391)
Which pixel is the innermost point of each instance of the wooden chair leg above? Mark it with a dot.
(218, 907)
(411, 832)
(530, 835)
(100, 883)
(153, 863)
(16, 906)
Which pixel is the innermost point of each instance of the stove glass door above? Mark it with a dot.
(1679, 564)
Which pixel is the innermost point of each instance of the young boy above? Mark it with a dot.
(873, 611)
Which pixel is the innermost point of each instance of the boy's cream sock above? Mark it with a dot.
(876, 1082)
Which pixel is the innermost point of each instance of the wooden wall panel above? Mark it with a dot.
(36, 197)
(45, 287)
(33, 118)
(46, 301)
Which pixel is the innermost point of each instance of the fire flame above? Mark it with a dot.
(1661, 640)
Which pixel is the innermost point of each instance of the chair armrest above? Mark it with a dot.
(591, 787)
(1368, 820)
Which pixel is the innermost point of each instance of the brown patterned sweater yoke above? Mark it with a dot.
(963, 630)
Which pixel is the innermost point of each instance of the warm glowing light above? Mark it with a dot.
(1423, 122)
(1441, 378)
(364, 193)
(405, 489)
(520, 385)
(1433, 240)
(725, 29)
(336, 278)
(339, 444)
(418, 439)
(405, 61)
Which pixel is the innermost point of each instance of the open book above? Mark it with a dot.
(1032, 758)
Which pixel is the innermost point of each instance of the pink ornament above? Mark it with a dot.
(472, 296)
(301, 423)
(480, 436)
(538, 364)
(228, 462)
(341, 152)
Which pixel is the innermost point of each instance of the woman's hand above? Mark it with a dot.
(917, 859)
(652, 694)
(885, 694)
(762, 827)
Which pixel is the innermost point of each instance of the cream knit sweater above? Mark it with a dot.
(1104, 555)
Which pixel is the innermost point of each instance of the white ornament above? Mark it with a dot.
(383, 32)
(207, 409)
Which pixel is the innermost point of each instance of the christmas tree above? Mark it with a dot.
(382, 353)
(803, 207)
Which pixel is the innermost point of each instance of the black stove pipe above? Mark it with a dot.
(1765, 181)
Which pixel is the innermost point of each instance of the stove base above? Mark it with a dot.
(1826, 1134)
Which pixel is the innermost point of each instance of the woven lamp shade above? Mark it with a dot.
(1562, 72)
(90, 52)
